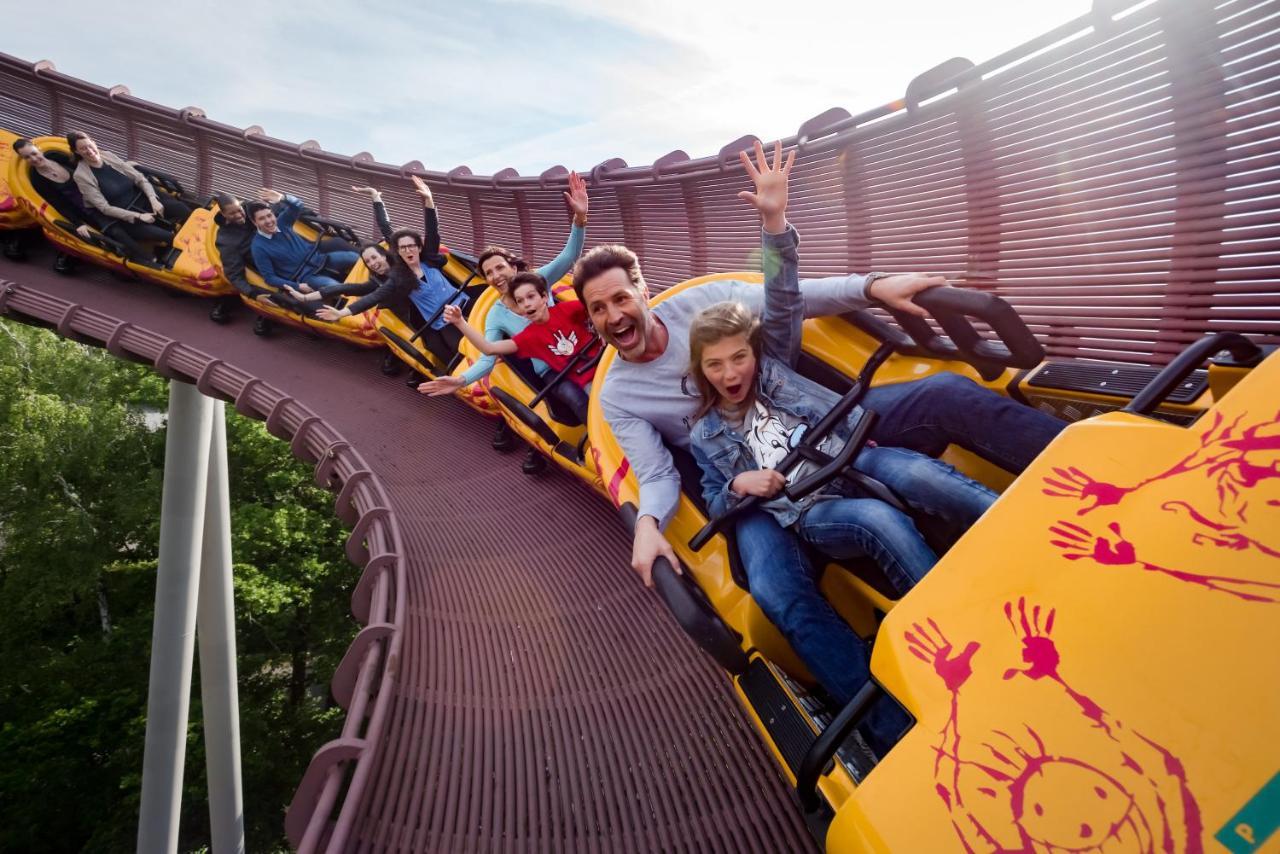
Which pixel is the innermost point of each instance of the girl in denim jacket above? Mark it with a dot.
(755, 408)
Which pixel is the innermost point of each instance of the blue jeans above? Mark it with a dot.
(927, 485)
(929, 414)
(785, 585)
(337, 262)
(321, 282)
(853, 527)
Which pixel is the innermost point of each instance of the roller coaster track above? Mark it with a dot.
(1116, 180)
(530, 693)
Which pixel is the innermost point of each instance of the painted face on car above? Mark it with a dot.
(619, 311)
(730, 366)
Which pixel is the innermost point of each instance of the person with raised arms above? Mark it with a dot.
(499, 267)
(648, 396)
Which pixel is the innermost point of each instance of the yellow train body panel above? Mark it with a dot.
(1105, 639)
(12, 213)
(194, 271)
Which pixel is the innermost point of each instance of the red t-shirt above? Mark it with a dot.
(555, 341)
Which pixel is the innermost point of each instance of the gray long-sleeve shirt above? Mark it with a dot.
(647, 402)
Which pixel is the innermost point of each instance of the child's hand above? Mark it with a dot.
(765, 483)
(453, 314)
(770, 197)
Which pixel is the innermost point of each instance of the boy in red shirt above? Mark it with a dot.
(554, 334)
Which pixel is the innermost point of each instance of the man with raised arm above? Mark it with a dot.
(648, 397)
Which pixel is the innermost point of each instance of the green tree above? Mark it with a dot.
(81, 464)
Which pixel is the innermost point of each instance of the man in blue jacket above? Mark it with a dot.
(282, 256)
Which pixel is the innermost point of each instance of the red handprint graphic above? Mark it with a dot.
(954, 670)
(1014, 793)
(1236, 461)
(1079, 543)
(1073, 483)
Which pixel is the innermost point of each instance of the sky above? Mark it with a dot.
(492, 84)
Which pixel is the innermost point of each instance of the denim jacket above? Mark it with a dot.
(721, 452)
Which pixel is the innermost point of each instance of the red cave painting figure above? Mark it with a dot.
(1008, 790)
(1079, 543)
(191, 241)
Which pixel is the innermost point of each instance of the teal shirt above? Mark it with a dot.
(501, 322)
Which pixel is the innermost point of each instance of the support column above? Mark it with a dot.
(216, 633)
(182, 511)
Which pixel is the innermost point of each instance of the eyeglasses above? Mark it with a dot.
(403, 246)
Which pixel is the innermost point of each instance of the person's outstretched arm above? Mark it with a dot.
(579, 202)
(379, 210)
(506, 347)
(289, 211)
(783, 315)
(430, 222)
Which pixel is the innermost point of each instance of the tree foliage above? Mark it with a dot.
(81, 466)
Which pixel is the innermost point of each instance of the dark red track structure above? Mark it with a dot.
(513, 687)
(1117, 180)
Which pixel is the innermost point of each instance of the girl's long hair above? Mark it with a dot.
(715, 323)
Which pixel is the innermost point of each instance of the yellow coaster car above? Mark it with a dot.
(359, 329)
(189, 266)
(535, 415)
(1064, 661)
(12, 214)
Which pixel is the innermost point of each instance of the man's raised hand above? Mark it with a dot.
(576, 197)
(770, 197)
(372, 193)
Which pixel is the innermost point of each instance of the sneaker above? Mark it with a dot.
(390, 365)
(262, 326)
(221, 313)
(534, 463)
